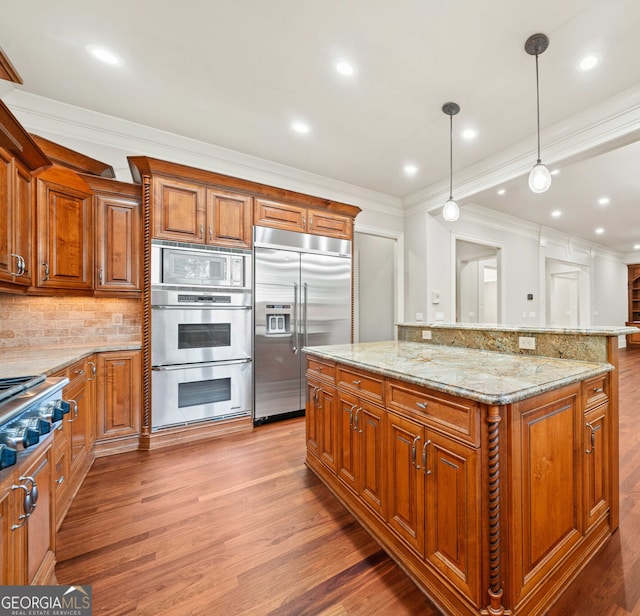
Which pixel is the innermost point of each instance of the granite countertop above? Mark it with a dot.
(47, 360)
(597, 330)
(484, 376)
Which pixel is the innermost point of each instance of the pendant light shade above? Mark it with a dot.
(539, 177)
(451, 211)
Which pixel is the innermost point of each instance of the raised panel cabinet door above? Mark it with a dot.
(118, 244)
(16, 217)
(118, 397)
(77, 421)
(7, 520)
(406, 481)
(65, 237)
(347, 438)
(312, 416)
(327, 422)
(229, 219)
(280, 215)
(596, 463)
(327, 223)
(452, 511)
(372, 472)
(178, 210)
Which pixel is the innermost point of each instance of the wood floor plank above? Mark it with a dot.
(239, 526)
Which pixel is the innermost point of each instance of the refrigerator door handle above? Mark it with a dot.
(304, 319)
(294, 336)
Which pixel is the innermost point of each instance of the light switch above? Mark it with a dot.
(435, 297)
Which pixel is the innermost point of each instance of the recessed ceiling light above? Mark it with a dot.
(636, 247)
(103, 54)
(599, 230)
(589, 62)
(604, 201)
(345, 68)
(300, 127)
(502, 191)
(555, 172)
(556, 213)
(410, 169)
(469, 133)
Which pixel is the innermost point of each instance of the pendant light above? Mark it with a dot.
(451, 211)
(539, 177)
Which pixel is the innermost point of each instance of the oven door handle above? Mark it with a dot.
(203, 307)
(209, 364)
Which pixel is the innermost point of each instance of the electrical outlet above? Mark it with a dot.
(426, 334)
(527, 342)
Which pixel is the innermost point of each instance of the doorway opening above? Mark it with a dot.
(477, 287)
(567, 288)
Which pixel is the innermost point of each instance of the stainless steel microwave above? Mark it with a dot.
(197, 267)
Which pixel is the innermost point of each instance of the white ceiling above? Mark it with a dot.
(236, 73)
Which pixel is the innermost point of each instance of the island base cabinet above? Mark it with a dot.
(493, 513)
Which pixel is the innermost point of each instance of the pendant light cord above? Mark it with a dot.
(451, 157)
(538, 107)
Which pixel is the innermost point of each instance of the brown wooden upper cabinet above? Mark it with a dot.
(19, 157)
(302, 219)
(185, 211)
(65, 231)
(118, 242)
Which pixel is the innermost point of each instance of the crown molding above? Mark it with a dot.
(598, 129)
(40, 114)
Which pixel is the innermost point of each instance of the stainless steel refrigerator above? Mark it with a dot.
(302, 297)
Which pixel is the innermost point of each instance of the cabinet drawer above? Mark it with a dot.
(595, 391)
(77, 372)
(321, 369)
(364, 384)
(452, 415)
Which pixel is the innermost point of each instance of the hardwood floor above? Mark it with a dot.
(240, 526)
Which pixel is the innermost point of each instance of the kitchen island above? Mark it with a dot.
(491, 478)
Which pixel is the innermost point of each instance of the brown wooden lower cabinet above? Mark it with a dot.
(118, 401)
(485, 507)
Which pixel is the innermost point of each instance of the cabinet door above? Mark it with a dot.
(347, 439)
(178, 210)
(371, 454)
(7, 519)
(118, 395)
(229, 218)
(452, 511)
(79, 430)
(280, 215)
(65, 237)
(406, 484)
(596, 466)
(312, 416)
(118, 244)
(15, 221)
(328, 223)
(327, 424)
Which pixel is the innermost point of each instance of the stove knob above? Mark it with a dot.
(8, 456)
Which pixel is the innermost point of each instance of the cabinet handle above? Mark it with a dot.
(93, 369)
(100, 276)
(18, 268)
(598, 390)
(60, 480)
(421, 405)
(357, 383)
(356, 427)
(201, 232)
(304, 223)
(211, 233)
(424, 458)
(351, 416)
(22, 268)
(46, 271)
(593, 437)
(413, 453)
(310, 220)
(75, 411)
(78, 372)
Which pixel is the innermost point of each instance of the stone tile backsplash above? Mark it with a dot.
(55, 321)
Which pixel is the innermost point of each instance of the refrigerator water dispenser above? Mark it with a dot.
(278, 324)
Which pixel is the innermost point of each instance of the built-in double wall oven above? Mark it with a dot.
(201, 334)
